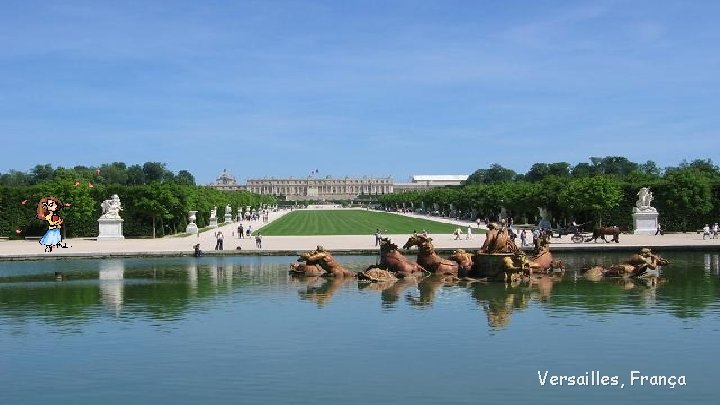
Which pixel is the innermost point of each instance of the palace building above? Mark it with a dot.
(330, 188)
(426, 182)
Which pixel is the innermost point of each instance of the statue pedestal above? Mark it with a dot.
(228, 219)
(491, 265)
(192, 229)
(645, 222)
(213, 223)
(110, 229)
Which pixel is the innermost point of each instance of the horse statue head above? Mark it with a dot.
(418, 240)
(386, 245)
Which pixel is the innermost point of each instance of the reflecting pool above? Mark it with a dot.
(241, 330)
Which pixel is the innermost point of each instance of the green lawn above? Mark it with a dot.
(350, 222)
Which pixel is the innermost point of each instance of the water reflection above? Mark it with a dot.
(169, 289)
(318, 289)
(391, 295)
(111, 284)
(192, 277)
(712, 263)
(498, 300)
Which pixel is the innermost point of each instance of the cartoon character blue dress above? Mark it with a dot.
(52, 236)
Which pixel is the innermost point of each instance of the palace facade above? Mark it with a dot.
(330, 188)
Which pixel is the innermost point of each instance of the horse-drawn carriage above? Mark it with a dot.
(578, 236)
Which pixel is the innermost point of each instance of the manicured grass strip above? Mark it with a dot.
(350, 222)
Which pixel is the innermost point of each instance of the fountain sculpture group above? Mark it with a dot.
(499, 259)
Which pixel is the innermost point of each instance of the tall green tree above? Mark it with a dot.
(153, 171)
(136, 175)
(594, 195)
(42, 173)
(686, 198)
(184, 177)
(493, 175)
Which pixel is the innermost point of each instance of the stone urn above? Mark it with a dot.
(192, 226)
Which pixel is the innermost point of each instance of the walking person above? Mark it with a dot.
(378, 236)
(659, 230)
(457, 233)
(219, 240)
(706, 231)
(468, 236)
(536, 237)
(258, 241)
(523, 238)
(715, 230)
(241, 231)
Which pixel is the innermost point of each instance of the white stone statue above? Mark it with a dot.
(645, 197)
(213, 213)
(645, 217)
(191, 216)
(110, 225)
(112, 207)
(228, 210)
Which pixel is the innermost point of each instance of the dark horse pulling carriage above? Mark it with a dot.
(601, 232)
(578, 236)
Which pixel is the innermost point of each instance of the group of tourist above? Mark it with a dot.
(711, 232)
(458, 232)
(220, 239)
(242, 232)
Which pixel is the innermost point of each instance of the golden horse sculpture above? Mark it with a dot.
(305, 267)
(636, 266)
(464, 260)
(497, 240)
(328, 263)
(542, 259)
(428, 259)
(499, 258)
(392, 260)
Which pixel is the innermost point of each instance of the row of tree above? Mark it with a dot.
(602, 193)
(154, 209)
(617, 166)
(116, 173)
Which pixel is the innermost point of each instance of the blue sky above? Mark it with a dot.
(378, 88)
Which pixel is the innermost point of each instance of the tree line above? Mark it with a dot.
(116, 173)
(155, 203)
(602, 192)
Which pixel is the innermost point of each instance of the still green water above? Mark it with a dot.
(219, 330)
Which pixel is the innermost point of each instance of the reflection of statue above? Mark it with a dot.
(323, 293)
(645, 196)
(213, 213)
(112, 207)
(499, 302)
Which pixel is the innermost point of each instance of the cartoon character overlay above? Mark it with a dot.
(47, 210)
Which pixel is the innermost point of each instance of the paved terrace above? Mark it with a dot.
(293, 245)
